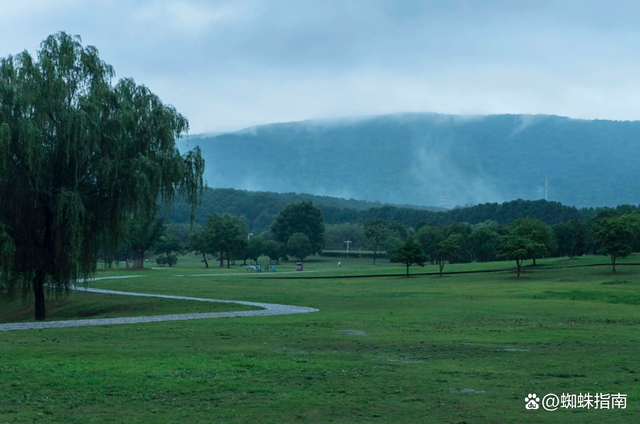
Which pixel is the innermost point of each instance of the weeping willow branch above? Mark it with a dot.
(85, 156)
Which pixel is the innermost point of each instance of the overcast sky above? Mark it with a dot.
(231, 64)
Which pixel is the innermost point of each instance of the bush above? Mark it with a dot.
(170, 260)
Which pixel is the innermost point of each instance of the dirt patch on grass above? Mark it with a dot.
(466, 390)
(352, 333)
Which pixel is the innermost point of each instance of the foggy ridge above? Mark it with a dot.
(433, 160)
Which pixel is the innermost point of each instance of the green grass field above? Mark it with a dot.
(464, 348)
(81, 305)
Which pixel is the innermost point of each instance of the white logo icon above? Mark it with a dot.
(532, 401)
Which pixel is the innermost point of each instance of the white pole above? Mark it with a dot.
(348, 244)
(546, 188)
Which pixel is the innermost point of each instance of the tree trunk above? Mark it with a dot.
(39, 279)
(206, 264)
(138, 259)
(228, 261)
(407, 270)
(613, 263)
(38, 290)
(534, 261)
(518, 265)
(441, 266)
(221, 259)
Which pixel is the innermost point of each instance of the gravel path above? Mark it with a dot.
(248, 273)
(268, 310)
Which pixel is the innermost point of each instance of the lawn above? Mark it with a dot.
(82, 305)
(463, 348)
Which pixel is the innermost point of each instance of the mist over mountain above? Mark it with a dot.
(433, 160)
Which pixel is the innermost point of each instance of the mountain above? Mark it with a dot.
(434, 160)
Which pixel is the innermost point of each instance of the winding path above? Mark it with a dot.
(269, 309)
(265, 273)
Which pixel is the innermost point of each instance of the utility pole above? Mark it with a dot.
(249, 236)
(348, 244)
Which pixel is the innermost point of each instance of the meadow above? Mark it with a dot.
(462, 348)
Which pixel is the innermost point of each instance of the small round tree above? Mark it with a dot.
(274, 250)
(300, 218)
(375, 233)
(512, 246)
(409, 253)
(169, 246)
(299, 246)
(616, 235)
(449, 250)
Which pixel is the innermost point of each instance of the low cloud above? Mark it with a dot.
(188, 17)
(232, 64)
(441, 181)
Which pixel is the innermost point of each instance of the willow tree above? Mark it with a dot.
(79, 156)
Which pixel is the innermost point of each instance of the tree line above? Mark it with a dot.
(260, 209)
(297, 232)
(608, 232)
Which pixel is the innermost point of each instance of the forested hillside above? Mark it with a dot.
(431, 159)
(261, 208)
